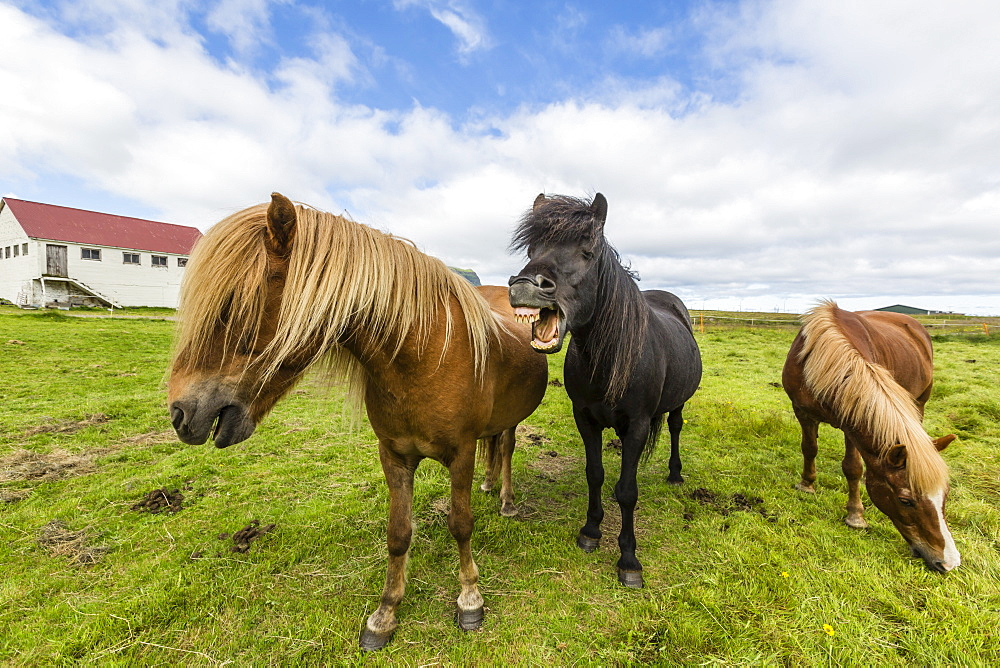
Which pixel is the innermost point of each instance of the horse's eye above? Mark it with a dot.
(907, 502)
(587, 255)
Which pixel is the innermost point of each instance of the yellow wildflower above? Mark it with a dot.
(829, 629)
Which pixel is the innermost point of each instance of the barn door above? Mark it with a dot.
(55, 260)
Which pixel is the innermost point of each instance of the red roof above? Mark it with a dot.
(60, 223)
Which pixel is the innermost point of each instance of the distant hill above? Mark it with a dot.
(467, 274)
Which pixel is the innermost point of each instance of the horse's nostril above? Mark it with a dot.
(176, 416)
(545, 283)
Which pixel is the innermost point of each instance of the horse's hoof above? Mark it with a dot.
(470, 620)
(370, 641)
(631, 579)
(803, 487)
(856, 522)
(486, 488)
(675, 480)
(508, 510)
(586, 543)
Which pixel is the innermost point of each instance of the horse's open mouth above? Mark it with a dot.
(231, 427)
(546, 326)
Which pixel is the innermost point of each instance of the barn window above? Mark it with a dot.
(130, 258)
(6, 252)
(16, 249)
(24, 249)
(182, 262)
(90, 254)
(159, 260)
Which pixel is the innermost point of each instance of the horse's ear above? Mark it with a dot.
(280, 224)
(943, 442)
(540, 200)
(599, 208)
(896, 457)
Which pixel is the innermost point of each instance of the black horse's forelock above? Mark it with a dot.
(558, 219)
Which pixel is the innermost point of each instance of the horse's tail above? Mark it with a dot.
(655, 426)
(488, 450)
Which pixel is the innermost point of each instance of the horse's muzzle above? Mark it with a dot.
(226, 424)
(537, 291)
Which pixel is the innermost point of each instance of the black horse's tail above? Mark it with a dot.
(655, 426)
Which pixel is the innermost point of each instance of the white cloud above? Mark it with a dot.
(465, 23)
(246, 23)
(645, 42)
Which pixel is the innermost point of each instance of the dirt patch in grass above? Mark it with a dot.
(551, 465)
(68, 426)
(60, 541)
(56, 465)
(526, 435)
(161, 501)
(548, 463)
(13, 495)
(726, 505)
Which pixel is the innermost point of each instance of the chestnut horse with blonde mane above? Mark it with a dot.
(869, 374)
(438, 364)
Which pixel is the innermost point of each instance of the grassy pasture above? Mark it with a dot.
(740, 568)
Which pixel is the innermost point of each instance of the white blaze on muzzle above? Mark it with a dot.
(952, 559)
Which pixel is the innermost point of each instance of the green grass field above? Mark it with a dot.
(740, 568)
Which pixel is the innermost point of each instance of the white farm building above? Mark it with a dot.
(54, 254)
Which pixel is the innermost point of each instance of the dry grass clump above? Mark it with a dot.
(61, 541)
(56, 465)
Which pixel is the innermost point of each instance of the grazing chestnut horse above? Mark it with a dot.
(632, 358)
(439, 365)
(869, 374)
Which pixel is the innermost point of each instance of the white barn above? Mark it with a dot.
(57, 254)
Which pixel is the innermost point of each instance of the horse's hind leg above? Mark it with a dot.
(810, 432)
(627, 493)
(490, 449)
(382, 623)
(505, 444)
(470, 601)
(590, 535)
(853, 468)
(675, 422)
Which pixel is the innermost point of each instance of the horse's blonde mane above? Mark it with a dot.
(341, 276)
(866, 396)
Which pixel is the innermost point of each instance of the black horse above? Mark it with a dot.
(632, 357)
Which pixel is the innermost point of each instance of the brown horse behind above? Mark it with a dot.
(869, 374)
(439, 365)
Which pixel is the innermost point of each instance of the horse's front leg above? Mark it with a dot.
(470, 601)
(853, 468)
(627, 494)
(398, 472)
(590, 535)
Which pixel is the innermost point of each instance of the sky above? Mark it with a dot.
(756, 155)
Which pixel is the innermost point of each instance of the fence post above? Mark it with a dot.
(986, 329)
(701, 322)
